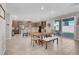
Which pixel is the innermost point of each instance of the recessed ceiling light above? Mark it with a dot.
(42, 8)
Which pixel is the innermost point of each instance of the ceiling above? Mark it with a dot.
(37, 11)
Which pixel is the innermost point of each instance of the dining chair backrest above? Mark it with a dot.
(35, 37)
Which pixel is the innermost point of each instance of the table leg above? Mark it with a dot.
(53, 41)
(38, 42)
(33, 43)
(42, 42)
(46, 45)
(57, 41)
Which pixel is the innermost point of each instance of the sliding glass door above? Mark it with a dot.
(68, 27)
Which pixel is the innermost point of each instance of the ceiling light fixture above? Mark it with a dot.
(42, 8)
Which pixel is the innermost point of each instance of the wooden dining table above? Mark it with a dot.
(39, 34)
(41, 41)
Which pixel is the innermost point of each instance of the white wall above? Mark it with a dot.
(51, 21)
(2, 34)
(8, 25)
(5, 30)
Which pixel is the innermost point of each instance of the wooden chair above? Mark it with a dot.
(34, 39)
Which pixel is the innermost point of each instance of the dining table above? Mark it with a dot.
(39, 34)
(43, 39)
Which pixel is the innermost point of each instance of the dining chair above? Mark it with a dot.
(34, 39)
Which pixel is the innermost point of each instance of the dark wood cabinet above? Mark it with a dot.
(43, 24)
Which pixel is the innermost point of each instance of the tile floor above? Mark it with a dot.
(19, 45)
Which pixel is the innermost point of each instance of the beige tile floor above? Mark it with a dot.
(22, 46)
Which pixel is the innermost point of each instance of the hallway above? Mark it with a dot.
(22, 46)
